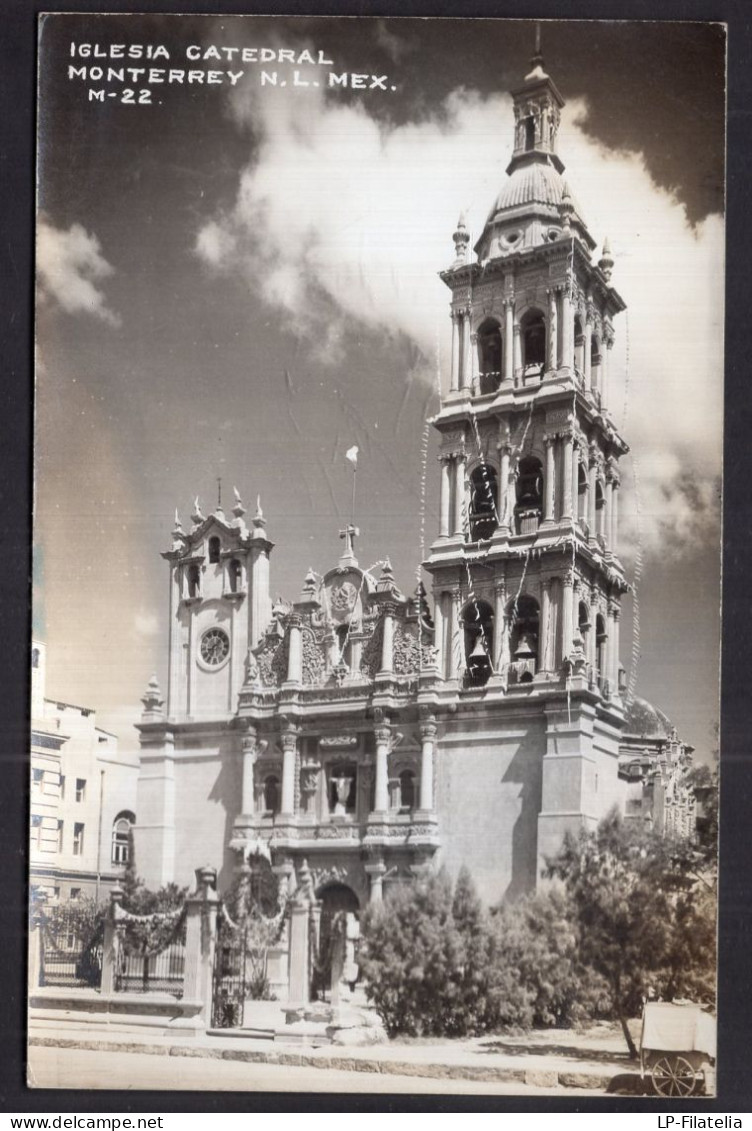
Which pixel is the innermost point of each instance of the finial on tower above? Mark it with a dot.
(350, 533)
(259, 522)
(238, 510)
(178, 524)
(566, 208)
(461, 238)
(606, 261)
(309, 585)
(536, 63)
(197, 516)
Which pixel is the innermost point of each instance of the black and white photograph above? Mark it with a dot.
(375, 686)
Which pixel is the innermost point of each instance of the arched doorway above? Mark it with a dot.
(337, 900)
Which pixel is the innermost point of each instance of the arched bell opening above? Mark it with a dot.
(529, 494)
(489, 355)
(214, 550)
(484, 499)
(600, 509)
(478, 627)
(524, 618)
(194, 581)
(235, 573)
(533, 334)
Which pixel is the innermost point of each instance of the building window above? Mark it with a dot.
(56, 893)
(235, 571)
(477, 621)
(524, 615)
(344, 645)
(342, 790)
(36, 831)
(37, 779)
(60, 829)
(194, 581)
(533, 330)
(62, 787)
(78, 839)
(75, 893)
(484, 494)
(529, 491)
(121, 832)
(601, 640)
(489, 356)
(35, 657)
(214, 549)
(80, 789)
(529, 124)
(407, 791)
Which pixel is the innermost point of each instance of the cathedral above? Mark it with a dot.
(369, 733)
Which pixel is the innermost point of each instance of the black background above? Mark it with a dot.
(17, 193)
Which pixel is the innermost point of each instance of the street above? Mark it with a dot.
(82, 1069)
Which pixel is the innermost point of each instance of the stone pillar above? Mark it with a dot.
(200, 936)
(504, 517)
(592, 480)
(512, 497)
(545, 626)
(587, 367)
(568, 472)
(428, 732)
(295, 650)
(574, 485)
(438, 632)
(553, 330)
(111, 943)
(376, 872)
(248, 791)
(566, 620)
(381, 800)
(445, 498)
(454, 377)
(459, 494)
(548, 511)
(567, 331)
(300, 985)
(289, 751)
(387, 639)
(615, 516)
(517, 352)
(474, 381)
(34, 960)
(509, 340)
(613, 674)
(455, 643)
(465, 349)
(500, 628)
(605, 372)
(597, 366)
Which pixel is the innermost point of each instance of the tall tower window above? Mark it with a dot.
(582, 490)
(489, 355)
(344, 645)
(121, 830)
(601, 639)
(35, 657)
(271, 795)
(477, 621)
(600, 508)
(407, 791)
(484, 496)
(194, 581)
(525, 634)
(579, 345)
(533, 328)
(529, 133)
(214, 549)
(235, 572)
(529, 495)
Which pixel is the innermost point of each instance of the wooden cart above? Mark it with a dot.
(677, 1047)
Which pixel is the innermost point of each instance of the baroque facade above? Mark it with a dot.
(371, 733)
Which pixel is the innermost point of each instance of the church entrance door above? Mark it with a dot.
(337, 902)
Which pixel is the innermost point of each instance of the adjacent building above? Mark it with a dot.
(83, 797)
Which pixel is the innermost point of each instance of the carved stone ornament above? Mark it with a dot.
(342, 599)
(338, 740)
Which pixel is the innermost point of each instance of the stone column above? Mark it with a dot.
(567, 330)
(111, 942)
(574, 485)
(615, 516)
(569, 470)
(428, 732)
(454, 645)
(445, 498)
(454, 376)
(387, 639)
(545, 627)
(613, 674)
(597, 366)
(500, 628)
(592, 480)
(249, 749)
(465, 349)
(512, 497)
(517, 351)
(438, 632)
(566, 620)
(474, 382)
(289, 750)
(605, 372)
(504, 450)
(509, 340)
(300, 985)
(587, 368)
(376, 872)
(295, 650)
(548, 507)
(381, 799)
(553, 329)
(200, 935)
(459, 494)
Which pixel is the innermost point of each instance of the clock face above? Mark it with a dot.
(215, 647)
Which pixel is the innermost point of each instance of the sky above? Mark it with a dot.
(240, 281)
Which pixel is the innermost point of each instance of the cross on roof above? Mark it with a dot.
(349, 534)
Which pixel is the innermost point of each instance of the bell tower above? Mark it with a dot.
(527, 581)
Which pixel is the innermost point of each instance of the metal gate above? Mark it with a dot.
(229, 989)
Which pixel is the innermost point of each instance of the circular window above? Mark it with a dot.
(553, 234)
(512, 238)
(215, 647)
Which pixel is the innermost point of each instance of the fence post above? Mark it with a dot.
(200, 941)
(111, 944)
(36, 941)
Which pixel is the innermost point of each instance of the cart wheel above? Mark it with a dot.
(674, 1076)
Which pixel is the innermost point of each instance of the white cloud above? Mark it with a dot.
(70, 264)
(146, 624)
(338, 216)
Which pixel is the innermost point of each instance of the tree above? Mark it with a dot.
(636, 897)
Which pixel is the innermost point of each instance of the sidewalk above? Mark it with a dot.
(549, 1058)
